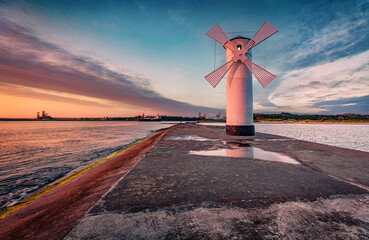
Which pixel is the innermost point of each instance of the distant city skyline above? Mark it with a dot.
(125, 58)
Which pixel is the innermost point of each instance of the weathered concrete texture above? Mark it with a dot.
(172, 194)
(336, 218)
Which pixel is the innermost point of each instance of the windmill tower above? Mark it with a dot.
(239, 90)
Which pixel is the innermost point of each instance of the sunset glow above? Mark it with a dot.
(97, 58)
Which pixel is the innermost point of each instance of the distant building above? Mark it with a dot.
(44, 116)
(149, 118)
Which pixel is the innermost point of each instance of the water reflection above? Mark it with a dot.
(240, 152)
(247, 152)
(188, 138)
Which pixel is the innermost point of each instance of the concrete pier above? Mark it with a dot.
(170, 191)
(172, 194)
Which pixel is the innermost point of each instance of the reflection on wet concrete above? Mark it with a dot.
(188, 138)
(247, 152)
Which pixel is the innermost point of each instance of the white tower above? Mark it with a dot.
(239, 78)
(239, 94)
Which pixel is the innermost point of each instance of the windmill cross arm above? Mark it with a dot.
(263, 76)
(264, 32)
(218, 35)
(215, 76)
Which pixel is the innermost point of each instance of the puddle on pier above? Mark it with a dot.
(239, 150)
(188, 138)
(248, 152)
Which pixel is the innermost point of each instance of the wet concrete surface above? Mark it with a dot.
(250, 152)
(172, 194)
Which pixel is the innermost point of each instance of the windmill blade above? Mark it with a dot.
(263, 76)
(265, 31)
(215, 76)
(218, 35)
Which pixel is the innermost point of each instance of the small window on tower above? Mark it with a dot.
(239, 46)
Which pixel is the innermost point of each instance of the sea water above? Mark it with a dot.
(352, 136)
(36, 153)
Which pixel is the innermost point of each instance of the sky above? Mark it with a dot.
(124, 58)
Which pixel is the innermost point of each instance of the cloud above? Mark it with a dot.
(346, 105)
(26, 60)
(323, 58)
(28, 92)
(317, 88)
(324, 32)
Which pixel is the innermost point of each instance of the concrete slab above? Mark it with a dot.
(172, 194)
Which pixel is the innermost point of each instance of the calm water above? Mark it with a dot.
(33, 154)
(353, 136)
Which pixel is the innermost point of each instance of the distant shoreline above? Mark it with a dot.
(201, 121)
(56, 120)
(298, 122)
(313, 122)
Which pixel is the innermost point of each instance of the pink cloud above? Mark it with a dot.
(27, 60)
